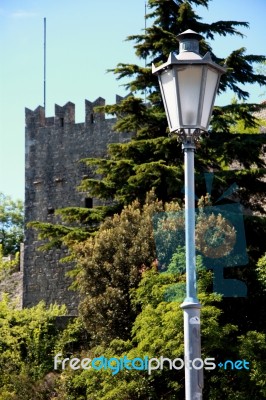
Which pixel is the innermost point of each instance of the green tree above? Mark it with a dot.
(152, 159)
(7, 265)
(28, 339)
(110, 264)
(261, 271)
(158, 331)
(11, 224)
(130, 308)
(241, 124)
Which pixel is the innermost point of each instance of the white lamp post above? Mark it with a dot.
(189, 84)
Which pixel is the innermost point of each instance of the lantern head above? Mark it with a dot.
(188, 84)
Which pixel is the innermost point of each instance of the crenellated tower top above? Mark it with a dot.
(66, 114)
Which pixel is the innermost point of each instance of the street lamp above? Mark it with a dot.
(188, 84)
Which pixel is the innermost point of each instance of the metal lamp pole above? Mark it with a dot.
(188, 84)
(191, 306)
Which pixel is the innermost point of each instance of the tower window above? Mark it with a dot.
(92, 118)
(61, 122)
(88, 202)
(50, 211)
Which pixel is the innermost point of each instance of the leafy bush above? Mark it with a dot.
(29, 338)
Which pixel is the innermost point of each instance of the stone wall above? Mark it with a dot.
(11, 284)
(54, 147)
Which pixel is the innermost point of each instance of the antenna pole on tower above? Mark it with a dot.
(145, 31)
(44, 66)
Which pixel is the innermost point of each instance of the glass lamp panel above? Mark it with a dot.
(168, 89)
(209, 94)
(189, 85)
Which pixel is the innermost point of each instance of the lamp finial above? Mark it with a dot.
(189, 41)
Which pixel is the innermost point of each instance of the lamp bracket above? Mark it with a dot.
(189, 137)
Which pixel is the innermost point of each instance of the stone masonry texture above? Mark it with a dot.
(54, 147)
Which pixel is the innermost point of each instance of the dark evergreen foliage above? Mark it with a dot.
(152, 159)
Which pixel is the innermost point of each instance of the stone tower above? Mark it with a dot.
(54, 147)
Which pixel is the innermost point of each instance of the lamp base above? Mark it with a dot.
(192, 343)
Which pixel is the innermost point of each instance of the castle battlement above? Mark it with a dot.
(66, 114)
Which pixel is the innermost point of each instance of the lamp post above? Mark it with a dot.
(188, 84)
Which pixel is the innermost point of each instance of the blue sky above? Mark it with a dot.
(84, 39)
